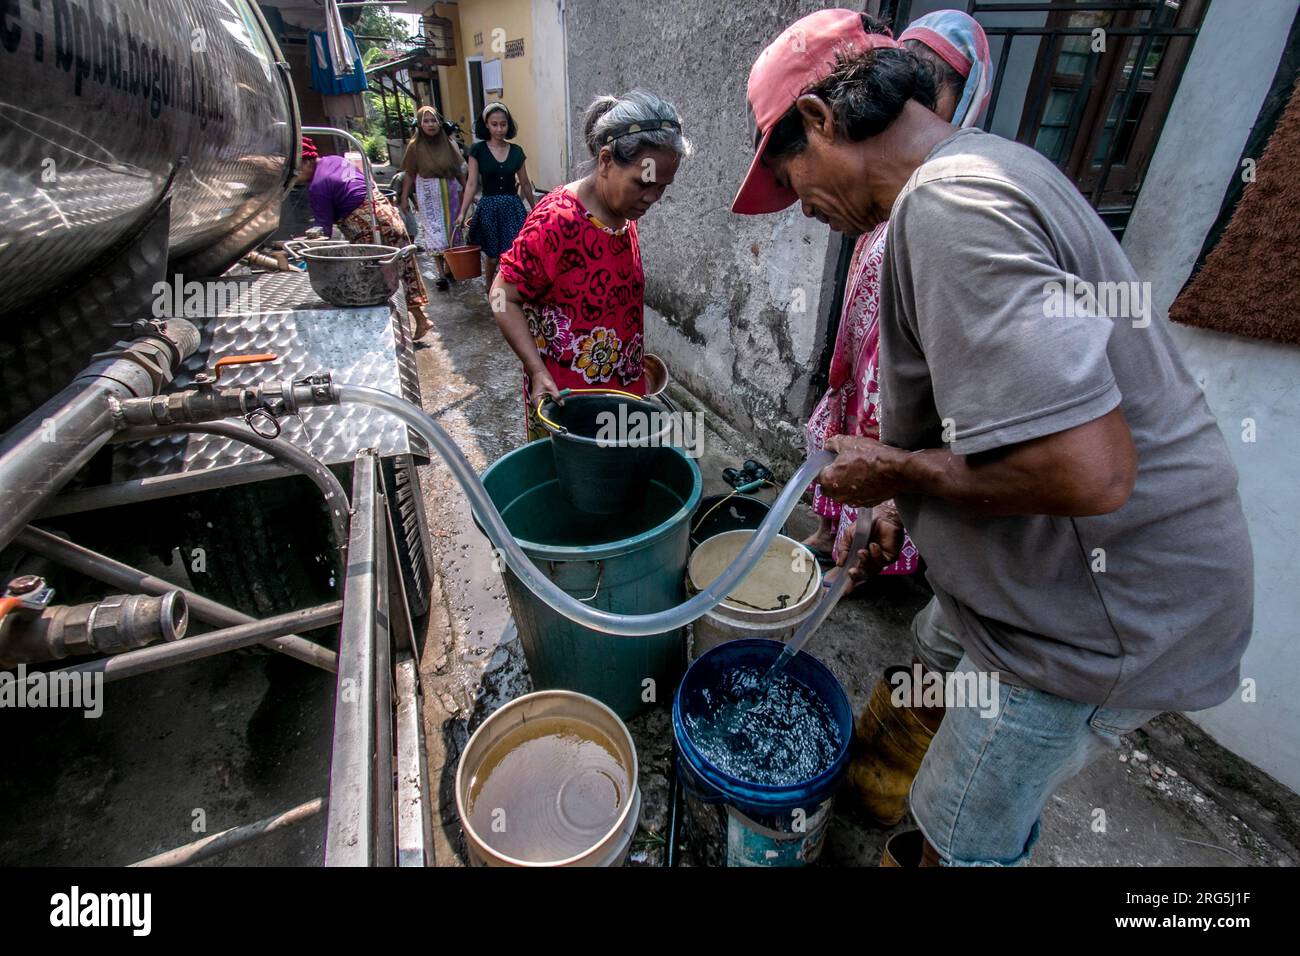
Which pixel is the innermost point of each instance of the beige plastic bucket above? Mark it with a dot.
(609, 850)
(753, 608)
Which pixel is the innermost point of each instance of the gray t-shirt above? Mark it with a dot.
(1148, 607)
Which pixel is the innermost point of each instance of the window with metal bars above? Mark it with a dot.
(1087, 84)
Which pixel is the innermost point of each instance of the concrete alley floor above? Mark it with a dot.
(1170, 796)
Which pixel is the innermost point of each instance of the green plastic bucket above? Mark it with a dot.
(629, 563)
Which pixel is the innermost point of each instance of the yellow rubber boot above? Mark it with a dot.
(889, 743)
(903, 849)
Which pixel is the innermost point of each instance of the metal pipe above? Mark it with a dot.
(112, 625)
(384, 795)
(210, 846)
(134, 663)
(119, 575)
(674, 804)
(366, 171)
(336, 500)
(398, 600)
(43, 451)
(414, 824)
(350, 836)
(568, 99)
(137, 490)
(40, 454)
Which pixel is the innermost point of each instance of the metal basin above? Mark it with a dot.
(352, 274)
(656, 374)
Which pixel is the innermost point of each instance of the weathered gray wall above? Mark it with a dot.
(723, 292)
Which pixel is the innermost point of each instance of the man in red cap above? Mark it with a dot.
(1048, 452)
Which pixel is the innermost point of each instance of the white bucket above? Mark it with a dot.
(612, 848)
(753, 607)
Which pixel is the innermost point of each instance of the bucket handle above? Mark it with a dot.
(403, 253)
(560, 429)
(297, 247)
(719, 504)
(600, 577)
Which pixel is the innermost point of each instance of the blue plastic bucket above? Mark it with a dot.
(732, 822)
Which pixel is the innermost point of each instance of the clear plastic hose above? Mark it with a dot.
(536, 580)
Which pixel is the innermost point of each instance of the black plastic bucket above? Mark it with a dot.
(604, 445)
(719, 513)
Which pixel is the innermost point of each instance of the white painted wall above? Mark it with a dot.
(1229, 73)
(549, 168)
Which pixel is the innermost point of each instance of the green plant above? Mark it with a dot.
(397, 128)
(382, 124)
(376, 147)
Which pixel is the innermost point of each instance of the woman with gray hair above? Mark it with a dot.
(570, 293)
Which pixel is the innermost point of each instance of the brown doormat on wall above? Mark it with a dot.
(1250, 282)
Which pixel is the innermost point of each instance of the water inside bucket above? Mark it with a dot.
(546, 515)
(550, 789)
(773, 732)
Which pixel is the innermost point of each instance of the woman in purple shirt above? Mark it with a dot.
(337, 192)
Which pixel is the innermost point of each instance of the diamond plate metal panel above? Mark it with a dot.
(278, 312)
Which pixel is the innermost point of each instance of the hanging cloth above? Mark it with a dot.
(340, 57)
(324, 79)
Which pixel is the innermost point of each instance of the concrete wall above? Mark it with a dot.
(734, 304)
(1227, 77)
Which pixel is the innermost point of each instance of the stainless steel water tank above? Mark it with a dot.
(108, 107)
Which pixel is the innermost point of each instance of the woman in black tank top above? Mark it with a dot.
(499, 167)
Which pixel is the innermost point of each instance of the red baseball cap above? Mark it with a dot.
(800, 57)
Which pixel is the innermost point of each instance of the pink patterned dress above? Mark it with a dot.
(851, 405)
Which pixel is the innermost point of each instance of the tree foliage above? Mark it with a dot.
(378, 22)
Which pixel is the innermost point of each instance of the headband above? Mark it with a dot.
(640, 126)
(492, 108)
(960, 42)
(942, 46)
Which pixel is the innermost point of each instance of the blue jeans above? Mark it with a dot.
(985, 779)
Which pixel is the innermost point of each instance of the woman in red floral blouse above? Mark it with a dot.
(569, 296)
